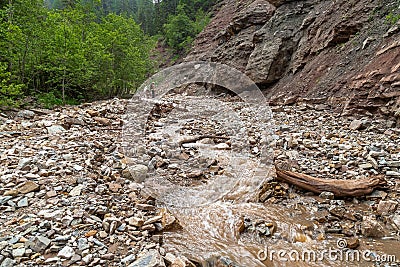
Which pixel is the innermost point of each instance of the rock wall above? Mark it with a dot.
(343, 53)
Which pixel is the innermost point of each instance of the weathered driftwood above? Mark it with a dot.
(341, 188)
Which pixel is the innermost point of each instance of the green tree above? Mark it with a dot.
(70, 53)
(9, 92)
(180, 29)
(145, 16)
(128, 53)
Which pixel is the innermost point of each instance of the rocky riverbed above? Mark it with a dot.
(69, 196)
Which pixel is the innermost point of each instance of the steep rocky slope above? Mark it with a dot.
(342, 53)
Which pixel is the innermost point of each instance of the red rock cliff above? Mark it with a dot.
(342, 53)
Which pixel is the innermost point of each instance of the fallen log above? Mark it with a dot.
(340, 188)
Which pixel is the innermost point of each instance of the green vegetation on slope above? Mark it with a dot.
(64, 51)
(180, 29)
(71, 53)
(156, 17)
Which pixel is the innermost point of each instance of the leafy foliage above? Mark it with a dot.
(154, 16)
(51, 99)
(9, 92)
(72, 52)
(87, 49)
(393, 18)
(180, 29)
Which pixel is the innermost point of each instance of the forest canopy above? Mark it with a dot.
(64, 51)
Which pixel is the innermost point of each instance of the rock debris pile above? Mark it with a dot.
(68, 195)
(311, 139)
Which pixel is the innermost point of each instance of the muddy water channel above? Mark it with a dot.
(234, 235)
(211, 165)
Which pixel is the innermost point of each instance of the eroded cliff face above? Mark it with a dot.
(343, 53)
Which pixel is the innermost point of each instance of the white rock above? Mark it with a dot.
(55, 129)
(50, 214)
(24, 162)
(66, 253)
(27, 114)
(78, 168)
(7, 263)
(76, 191)
(393, 173)
(88, 258)
(222, 146)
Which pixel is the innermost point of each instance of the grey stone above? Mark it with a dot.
(396, 220)
(370, 227)
(83, 244)
(128, 259)
(24, 162)
(356, 125)
(3, 244)
(138, 172)
(26, 124)
(7, 262)
(394, 164)
(26, 114)
(18, 252)
(23, 202)
(49, 214)
(386, 206)
(40, 243)
(253, 14)
(75, 258)
(122, 227)
(78, 167)
(28, 252)
(5, 199)
(393, 173)
(98, 243)
(15, 239)
(88, 258)
(62, 238)
(151, 259)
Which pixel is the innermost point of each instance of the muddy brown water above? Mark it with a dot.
(211, 236)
